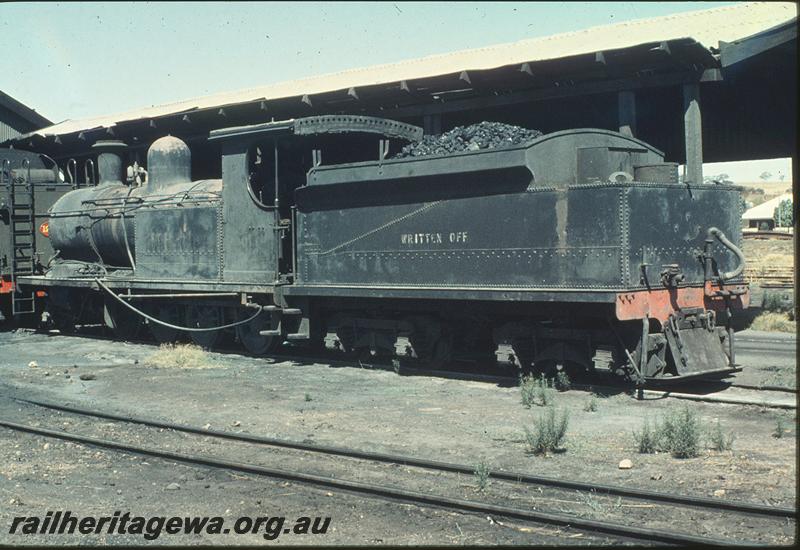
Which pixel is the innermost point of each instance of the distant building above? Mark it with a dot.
(17, 119)
(762, 216)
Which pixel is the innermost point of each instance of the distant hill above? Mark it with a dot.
(757, 192)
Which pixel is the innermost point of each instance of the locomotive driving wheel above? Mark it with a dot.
(63, 308)
(205, 316)
(248, 333)
(169, 314)
(125, 324)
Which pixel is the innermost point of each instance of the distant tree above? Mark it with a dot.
(719, 178)
(765, 175)
(784, 214)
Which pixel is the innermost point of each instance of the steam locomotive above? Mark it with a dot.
(578, 250)
(29, 185)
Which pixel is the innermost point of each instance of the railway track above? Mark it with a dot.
(701, 505)
(495, 375)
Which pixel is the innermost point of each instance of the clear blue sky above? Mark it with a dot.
(77, 60)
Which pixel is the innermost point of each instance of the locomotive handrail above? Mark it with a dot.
(726, 275)
(72, 175)
(6, 167)
(56, 169)
(87, 172)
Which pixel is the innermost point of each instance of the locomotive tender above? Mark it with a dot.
(579, 249)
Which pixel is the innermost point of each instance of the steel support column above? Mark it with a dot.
(626, 102)
(693, 133)
(432, 124)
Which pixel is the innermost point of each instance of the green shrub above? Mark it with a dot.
(535, 391)
(679, 433)
(562, 381)
(548, 431)
(591, 405)
(780, 428)
(308, 397)
(718, 441)
(776, 302)
(647, 440)
(482, 474)
(527, 388)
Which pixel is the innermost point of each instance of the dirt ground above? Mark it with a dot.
(468, 422)
(769, 252)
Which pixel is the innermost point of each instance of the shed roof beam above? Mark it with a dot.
(626, 109)
(513, 98)
(526, 68)
(711, 75)
(599, 57)
(734, 52)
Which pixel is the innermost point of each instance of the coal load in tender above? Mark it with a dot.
(484, 135)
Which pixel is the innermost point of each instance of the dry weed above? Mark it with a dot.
(179, 356)
(774, 322)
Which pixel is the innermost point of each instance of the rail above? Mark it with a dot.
(701, 502)
(387, 492)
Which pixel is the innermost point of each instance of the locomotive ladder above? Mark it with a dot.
(23, 237)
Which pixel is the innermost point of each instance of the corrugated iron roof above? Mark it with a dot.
(34, 119)
(708, 27)
(766, 210)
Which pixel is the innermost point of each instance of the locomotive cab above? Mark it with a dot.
(271, 162)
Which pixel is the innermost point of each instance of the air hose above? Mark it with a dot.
(715, 232)
(176, 327)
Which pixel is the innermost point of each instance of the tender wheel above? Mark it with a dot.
(442, 352)
(346, 337)
(125, 324)
(523, 354)
(431, 342)
(249, 336)
(550, 368)
(169, 314)
(200, 316)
